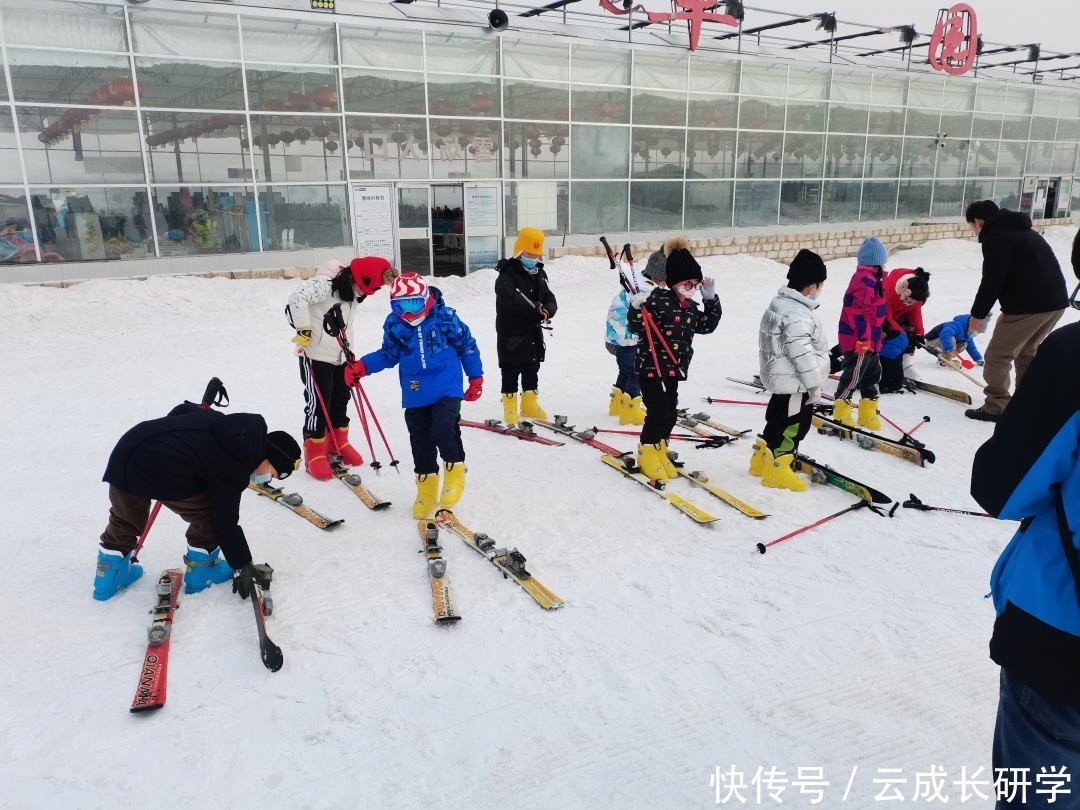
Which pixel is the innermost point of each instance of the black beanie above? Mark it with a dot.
(919, 285)
(282, 452)
(806, 268)
(682, 266)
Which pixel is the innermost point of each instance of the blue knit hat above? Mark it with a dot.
(872, 253)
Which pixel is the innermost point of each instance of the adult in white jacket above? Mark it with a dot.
(794, 356)
(322, 362)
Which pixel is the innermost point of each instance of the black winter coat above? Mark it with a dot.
(1020, 270)
(190, 452)
(679, 321)
(520, 340)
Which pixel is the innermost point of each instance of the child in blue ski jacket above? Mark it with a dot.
(431, 347)
(957, 335)
(622, 344)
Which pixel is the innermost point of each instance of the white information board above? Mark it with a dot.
(373, 221)
(481, 207)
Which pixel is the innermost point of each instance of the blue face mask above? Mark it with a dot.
(261, 479)
(529, 264)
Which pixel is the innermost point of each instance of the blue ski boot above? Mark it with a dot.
(115, 571)
(204, 570)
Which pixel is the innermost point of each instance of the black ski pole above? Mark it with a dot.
(914, 503)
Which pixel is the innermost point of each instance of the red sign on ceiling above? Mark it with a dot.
(954, 44)
(695, 12)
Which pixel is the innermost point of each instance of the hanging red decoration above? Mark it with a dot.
(442, 107)
(325, 98)
(274, 105)
(331, 146)
(607, 110)
(398, 137)
(297, 102)
(713, 116)
(287, 137)
(320, 130)
(272, 139)
(562, 114)
(443, 129)
(302, 134)
(122, 91)
(481, 104)
(220, 121)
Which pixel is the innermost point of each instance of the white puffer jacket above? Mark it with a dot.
(793, 351)
(311, 301)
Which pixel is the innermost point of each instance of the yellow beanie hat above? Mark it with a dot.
(530, 240)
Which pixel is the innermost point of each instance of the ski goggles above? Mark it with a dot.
(408, 306)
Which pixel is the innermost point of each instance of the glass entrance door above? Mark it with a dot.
(414, 228)
(483, 221)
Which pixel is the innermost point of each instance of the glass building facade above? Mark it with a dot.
(136, 132)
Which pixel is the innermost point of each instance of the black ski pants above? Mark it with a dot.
(434, 431)
(787, 421)
(861, 371)
(528, 372)
(330, 380)
(661, 399)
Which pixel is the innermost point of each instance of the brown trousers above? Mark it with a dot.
(1015, 340)
(128, 515)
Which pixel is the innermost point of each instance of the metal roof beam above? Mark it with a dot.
(536, 12)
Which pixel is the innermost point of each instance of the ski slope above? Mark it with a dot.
(680, 649)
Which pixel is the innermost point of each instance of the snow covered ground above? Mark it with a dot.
(680, 649)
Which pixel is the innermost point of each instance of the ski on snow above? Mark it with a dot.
(150, 693)
(271, 653)
(510, 562)
(294, 502)
(442, 603)
(625, 465)
(697, 478)
(352, 481)
(523, 431)
(691, 420)
(821, 474)
(908, 449)
(940, 390)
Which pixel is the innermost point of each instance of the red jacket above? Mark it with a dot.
(900, 314)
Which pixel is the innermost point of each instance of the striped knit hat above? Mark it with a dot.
(408, 285)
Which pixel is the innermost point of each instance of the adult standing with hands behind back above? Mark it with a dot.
(1022, 274)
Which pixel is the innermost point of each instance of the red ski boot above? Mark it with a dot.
(315, 460)
(350, 457)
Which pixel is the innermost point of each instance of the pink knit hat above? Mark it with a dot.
(408, 285)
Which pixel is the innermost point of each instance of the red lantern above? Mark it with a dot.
(607, 110)
(190, 131)
(302, 134)
(398, 137)
(330, 146)
(272, 139)
(712, 116)
(443, 129)
(442, 107)
(257, 141)
(297, 102)
(287, 137)
(44, 136)
(320, 130)
(122, 91)
(220, 121)
(481, 104)
(274, 105)
(562, 114)
(325, 98)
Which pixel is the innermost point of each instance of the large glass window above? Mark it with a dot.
(922, 122)
(1020, 99)
(290, 153)
(889, 89)
(1064, 158)
(599, 207)
(66, 25)
(80, 145)
(844, 157)
(532, 59)
(886, 121)
(536, 149)
(394, 148)
(463, 96)
(713, 74)
(920, 156)
(600, 152)
(1015, 127)
(195, 36)
(803, 156)
(200, 220)
(926, 92)
(878, 199)
(657, 107)
(982, 159)
(760, 79)
(17, 230)
(952, 158)
(1043, 129)
(460, 53)
(806, 116)
(66, 77)
(196, 148)
(883, 157)
(664, 70)
(800, 202)
(756, 203)
(848, 118)
(598, 64)
(177, 84)
(655, 206)
(1040, 158)
(658, 153)
(759, 154)
(758, 113)
(382, 48)
(914, 199)
(81, 223)
(285, 89)
(470, 151)
(709, 205)
(536, 100)
(710, 154)
(1011, 157)
(840, 201)
(714, 112)
(305, 43)
(304, 216)
(382, 91)
(948, 198)
(986, 125)
(9, 154)
(601, 105)
(851, 87)
(540, 205)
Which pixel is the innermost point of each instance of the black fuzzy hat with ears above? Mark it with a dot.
(806, 269)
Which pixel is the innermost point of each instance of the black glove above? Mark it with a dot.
(243, 578)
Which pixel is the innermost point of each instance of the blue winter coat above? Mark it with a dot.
(952, 332)
(1033, 457)
(430, 356)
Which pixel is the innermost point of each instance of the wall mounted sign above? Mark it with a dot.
(695, 12)
(954, 45)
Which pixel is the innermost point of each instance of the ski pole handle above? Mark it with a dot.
(761, 547)
(215, 394)
(627, 253)
(610, 252)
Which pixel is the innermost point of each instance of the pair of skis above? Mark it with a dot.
(523, 430)
(510, 562)
(907, 448)
(909, 383)
(698, 479)
(294, 502)
(151, 690)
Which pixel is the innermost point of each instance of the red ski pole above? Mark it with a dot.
(713, 401)
(925, 419)
(328, 430)
(378, 426)
(855, 506)
(214, 394)
(375, 465)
